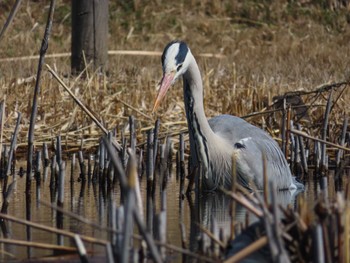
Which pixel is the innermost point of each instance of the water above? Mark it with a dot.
(90, 201)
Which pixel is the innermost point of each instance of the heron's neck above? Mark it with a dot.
(193, 96)
(201, 135)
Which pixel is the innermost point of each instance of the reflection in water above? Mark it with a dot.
(215, 208)
(92, 201)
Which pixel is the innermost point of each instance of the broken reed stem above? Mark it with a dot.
(150, 158)
(81, 248)
(155, 142)
(128, 219)
(2, 118)
(303, 134)
(147, 237)
(132, 133)
(43, 49)
(256, 245)
(289, 113)
(342, 140)
(13, 144)
(302, 151)
(324, 130)
(283, 129)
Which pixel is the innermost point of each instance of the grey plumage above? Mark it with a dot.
(213, 143)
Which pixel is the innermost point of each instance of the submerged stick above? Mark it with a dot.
(43, 49)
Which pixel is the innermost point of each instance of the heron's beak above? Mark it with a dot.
(165, 84)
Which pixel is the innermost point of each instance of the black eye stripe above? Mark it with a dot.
(179, 67)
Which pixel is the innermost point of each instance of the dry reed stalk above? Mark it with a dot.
(325, 129)
(81, 249)
(244, 202)
(17, 242)
(81, 105)
(13, 144)
(52, 229)
(2, 120)
(256, 245)
(8, 193)
(10, 18)
(342, 140)
(43, 49)
(303, 134)
(110, 52)
(147, 237)
(347, 235)
(283, 129)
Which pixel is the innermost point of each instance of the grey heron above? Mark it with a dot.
(213, 143)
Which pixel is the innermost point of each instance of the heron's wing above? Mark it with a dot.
(233, 129)
(250, 143)
(250, 153)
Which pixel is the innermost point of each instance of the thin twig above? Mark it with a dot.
(303, 134)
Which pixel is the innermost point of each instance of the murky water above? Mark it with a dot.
(90, 201)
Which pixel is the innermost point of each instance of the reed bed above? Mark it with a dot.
(282, 66)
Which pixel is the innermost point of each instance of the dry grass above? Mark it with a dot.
(271, 48)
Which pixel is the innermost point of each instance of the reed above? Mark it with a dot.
(303, 82)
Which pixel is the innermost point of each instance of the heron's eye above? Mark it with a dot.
(179, 67)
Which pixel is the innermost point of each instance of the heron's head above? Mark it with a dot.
(175, 61)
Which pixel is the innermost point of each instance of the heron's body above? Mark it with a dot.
(213, 143)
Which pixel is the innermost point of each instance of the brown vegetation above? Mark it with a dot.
(269, 48)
